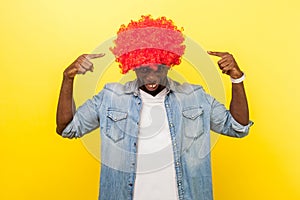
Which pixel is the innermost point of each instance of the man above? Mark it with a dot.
(155, 141)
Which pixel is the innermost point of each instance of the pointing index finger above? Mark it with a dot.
(216, 53)
(92, 56)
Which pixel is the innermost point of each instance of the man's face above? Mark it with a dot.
(152, 79)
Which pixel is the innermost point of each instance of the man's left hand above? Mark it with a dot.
(227, 64)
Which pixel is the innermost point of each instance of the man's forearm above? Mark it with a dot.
(66, 106)
(238, 105)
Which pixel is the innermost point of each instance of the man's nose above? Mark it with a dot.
(151, 76)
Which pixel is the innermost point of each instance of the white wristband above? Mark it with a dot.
(238, 80)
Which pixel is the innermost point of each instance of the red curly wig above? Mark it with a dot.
(148, 42)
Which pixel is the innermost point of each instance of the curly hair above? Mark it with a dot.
(148, 42)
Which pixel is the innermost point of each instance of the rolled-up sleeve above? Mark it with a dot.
(85, 119)
(221, 121)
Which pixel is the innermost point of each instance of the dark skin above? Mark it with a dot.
(152, 81)
(66, 106)
(238, 104)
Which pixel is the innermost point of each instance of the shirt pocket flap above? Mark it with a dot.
(192, 113)
(116, 115)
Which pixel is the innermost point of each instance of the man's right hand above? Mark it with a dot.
(81, 65)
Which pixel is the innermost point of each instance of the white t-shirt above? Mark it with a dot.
(155, 178)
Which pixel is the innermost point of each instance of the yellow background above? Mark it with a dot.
(40, 38)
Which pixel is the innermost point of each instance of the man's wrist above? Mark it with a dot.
(67, 78)
(238, 80)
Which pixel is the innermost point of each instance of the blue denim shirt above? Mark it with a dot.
(191, 113)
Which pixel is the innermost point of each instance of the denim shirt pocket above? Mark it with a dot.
(193, 122)
(115, 124)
